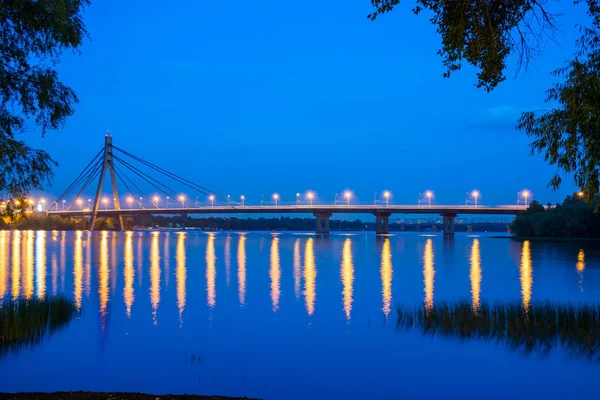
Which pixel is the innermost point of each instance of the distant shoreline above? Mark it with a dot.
(554, 239)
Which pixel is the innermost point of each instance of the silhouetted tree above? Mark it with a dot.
(33, 36)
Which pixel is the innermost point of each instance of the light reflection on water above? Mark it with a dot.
(300, 277)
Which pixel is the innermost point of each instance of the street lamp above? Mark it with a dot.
(347, 196)
(526, 194)
(212, 200)
(167, 202)
(80, 204)
(297, 198)
(429, 195)
(141, 206)
(228, 199)
(475, 194)
(276, 198)
(130, 201)
(242, 197)
(580, 194)
(64, 201)
(182, 200)
(387, 195)
(156, 199)
(105, 201)
(310, 196)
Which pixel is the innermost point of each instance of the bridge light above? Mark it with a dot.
(276, 198)
(212, 199)
(526, 195)
(156, 199)
(242, 197)
(310, 196)
(80, 203)
(129, 201)
(475, 194)
(429, 195)
(182, 200)
(387, 194)
(347, 196)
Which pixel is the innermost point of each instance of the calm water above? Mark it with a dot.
(286, 316)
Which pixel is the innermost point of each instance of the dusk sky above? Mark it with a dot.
(260, 97)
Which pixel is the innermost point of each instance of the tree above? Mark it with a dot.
(484, 33)
(33, 36)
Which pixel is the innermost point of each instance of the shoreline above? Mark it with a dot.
(109, 395)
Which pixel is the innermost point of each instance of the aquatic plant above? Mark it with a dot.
(538, 327)
(25, 322)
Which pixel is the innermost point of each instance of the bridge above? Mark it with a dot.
(105, 162)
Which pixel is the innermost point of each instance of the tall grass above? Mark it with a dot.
(539, 327)
(26, 322)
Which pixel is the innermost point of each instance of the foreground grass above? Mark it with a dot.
(26, 322)
(539, 327)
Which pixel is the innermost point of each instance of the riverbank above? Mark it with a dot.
(106, 396)
(554, 239)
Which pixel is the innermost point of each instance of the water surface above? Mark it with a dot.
(285, 316)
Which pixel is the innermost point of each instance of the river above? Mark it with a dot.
(288, 315)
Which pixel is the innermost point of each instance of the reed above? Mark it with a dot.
(539, 327)
(26, 322)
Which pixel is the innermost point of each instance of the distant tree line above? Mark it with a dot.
(54, 222)
(573, 218)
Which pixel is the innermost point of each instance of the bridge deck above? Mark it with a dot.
(306, 209)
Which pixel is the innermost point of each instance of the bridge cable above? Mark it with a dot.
(143, 175)
(127, 186)
(89, 180)
(80, 178)
(190, 184)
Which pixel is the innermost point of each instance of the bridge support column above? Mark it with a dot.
(322, 223)
(448, 225)
(107, 164)
(382, 223)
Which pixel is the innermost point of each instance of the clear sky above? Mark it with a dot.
(260, 97)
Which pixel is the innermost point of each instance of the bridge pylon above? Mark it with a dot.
(107, 165)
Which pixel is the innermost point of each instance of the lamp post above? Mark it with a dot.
(310, 196)
(130, 202)
(429, 195)
(348, 195)
(297, 198)
(105, 202)
(167, 202)
(242, 197)
(276, 198)
(212, 200)
(156, 199)
(387, 195)
(182, 200)
(141, 204)
(80, 203)
(64, 201)
(475, 194)
(526, 193)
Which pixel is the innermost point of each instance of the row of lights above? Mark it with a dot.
(347, 195)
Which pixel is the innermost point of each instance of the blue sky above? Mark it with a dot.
(261, 97)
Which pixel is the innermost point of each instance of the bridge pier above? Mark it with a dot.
(322, 223)
(449, 225)
(382, 223)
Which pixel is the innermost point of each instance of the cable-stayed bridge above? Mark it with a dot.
(130, 171)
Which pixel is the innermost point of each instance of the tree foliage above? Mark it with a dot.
(572, 218)
(33, 36)
(483, 33)
(569, 135)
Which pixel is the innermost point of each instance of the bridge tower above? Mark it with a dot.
(107, 164)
